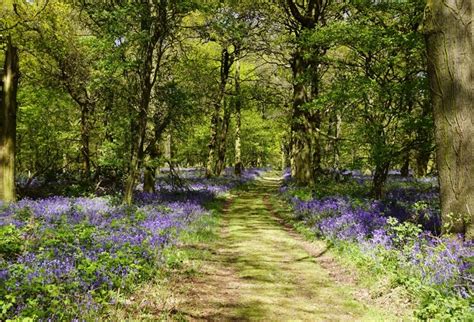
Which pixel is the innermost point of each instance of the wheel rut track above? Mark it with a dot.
(261, 269)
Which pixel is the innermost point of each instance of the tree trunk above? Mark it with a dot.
(448, 34)
(315, 120)
(137, 146)
(8, 108)
(301, 139)
(316, 150)
(149, 179)
(213, 142)
(169, 147)
(422, 160)
(217, 119)
(222, 146)
(405, 169)
(238, 167)
(238, 107)
(291, 154)
(108, 109)
(283, 157)
(85, 138)
(336, 123)
(154, 152)
(380, 177)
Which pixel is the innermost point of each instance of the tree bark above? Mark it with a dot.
(213, 141)
(149, 179)
(336, 122)
(154, 151)
(8, 109)
(156, 27)
(301, 128)
(137, 152)
(169, 146)
(380, 177)
(405, 169)
(422, 160)
(217, 119)
(222, 146)
(316, 150)
(305, 144)
(85, 140)
(315, 119)
(448, 34)
(238, 167)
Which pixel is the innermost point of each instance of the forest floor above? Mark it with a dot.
(259, 269)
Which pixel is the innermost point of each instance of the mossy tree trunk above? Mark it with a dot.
(316, 116)
(156, 22)
(161, 120)
(8, 108)
(380, 177)
(217, 120)
(138, 141)
(448, 34)
(335, 123)
(424, 135)
(305, 124)
(147, 75)
(301, 139)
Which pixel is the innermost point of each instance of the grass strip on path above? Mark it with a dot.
(258, 270)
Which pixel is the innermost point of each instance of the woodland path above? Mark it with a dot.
(260, 270)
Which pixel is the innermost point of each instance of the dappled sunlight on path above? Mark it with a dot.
(259, 271)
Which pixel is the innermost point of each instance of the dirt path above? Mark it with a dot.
(259, 270)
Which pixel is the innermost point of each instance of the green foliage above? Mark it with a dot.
(303, 194)
(50, 294)
(10, 241)
(436, 305)
(83, 74)
(411, 263)
(406, 233)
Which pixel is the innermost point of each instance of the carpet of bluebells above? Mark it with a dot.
(64, 257)
(400, 232)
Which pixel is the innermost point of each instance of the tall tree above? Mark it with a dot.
(378, 54)
(306, 63)
(145, 31)
(237, 29)
(238, 167)
(8, 109)
(448, 33)
(220, 120)
(73, 73)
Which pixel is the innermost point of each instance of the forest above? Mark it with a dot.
(245, 160)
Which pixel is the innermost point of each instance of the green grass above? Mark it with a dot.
(242, 263)
(277, 278)
(155, 299)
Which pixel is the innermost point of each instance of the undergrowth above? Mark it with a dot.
(155, 299)
(393, 243)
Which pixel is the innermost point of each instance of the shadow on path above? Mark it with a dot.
(258, 270)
